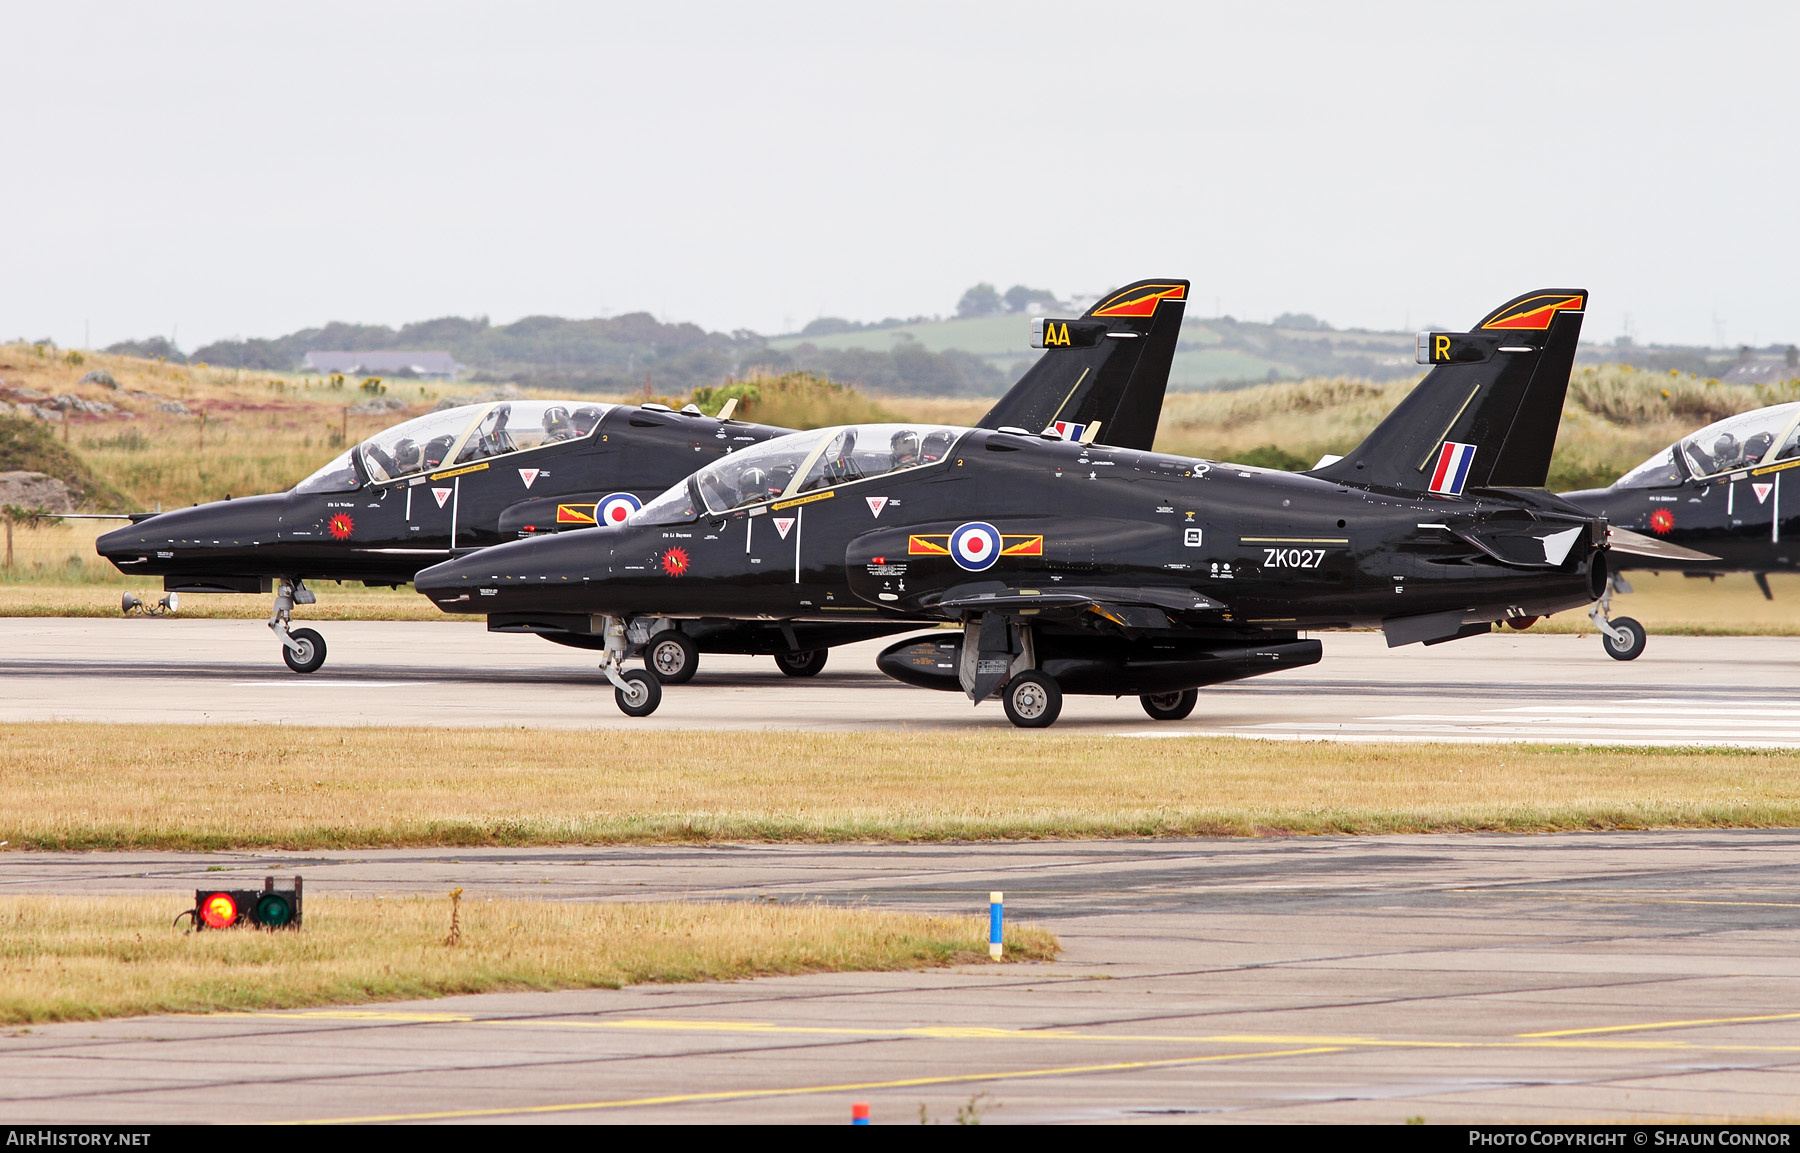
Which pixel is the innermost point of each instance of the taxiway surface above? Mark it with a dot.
(1562, 688)
(1582, 977)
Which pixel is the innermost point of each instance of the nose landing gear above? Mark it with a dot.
(636, 691)
(302, 649)
(1622, 637)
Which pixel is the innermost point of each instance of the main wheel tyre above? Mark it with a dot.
(643, 694)
(806, 664)
(672, 656)
(308, 653)
(1627, 646)
(1032, 700)
(1170, 706)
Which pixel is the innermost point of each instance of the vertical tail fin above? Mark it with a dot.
(1110, 366)
(1486, 415)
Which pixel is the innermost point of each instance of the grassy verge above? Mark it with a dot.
(86, 786)
(82, 958)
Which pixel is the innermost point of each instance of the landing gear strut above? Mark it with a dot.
(302, 649)
(1623, 638)
(637, 692)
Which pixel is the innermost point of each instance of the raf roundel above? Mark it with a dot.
(975, 546)
(616, 508)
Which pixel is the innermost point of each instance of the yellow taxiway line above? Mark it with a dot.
(1558, 1039)
(805, 1090)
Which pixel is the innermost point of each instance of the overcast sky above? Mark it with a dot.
(250, 169)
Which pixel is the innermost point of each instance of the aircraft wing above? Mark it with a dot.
(1637, 544)
(1142, 608)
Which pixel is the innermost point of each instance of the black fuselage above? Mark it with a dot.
(383, 531)
(1749, 520)
(1272, 552)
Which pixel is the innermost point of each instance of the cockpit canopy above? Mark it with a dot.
(1744, 441)
(801, 462)
(454, 437)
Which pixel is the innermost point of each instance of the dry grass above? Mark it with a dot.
(82, 958)
(248, 431)
(1615, 417)
(1670, 604)
(86, 786)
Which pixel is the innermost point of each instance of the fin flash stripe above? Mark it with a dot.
(1142, 301)
(1535, 312)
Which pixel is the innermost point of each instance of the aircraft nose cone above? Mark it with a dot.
(523, 572)
(221, 524)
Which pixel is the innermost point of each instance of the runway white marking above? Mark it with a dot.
(326, 682)
(1646, 721)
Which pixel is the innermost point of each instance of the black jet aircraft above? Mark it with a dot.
(1714, 500)
(468, 478)
(1085, 568)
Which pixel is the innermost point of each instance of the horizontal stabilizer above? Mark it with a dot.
(1637, 544)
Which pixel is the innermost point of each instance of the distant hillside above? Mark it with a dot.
(620, 354)
(1213, 352)
(976, 353)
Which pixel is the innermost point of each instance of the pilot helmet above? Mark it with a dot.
(1724, 446)
(585, 418)
(408, 455)
(557, 424)
(754, 482)
(906, 448)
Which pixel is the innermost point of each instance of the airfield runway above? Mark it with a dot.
(1505, 687)
(1580, 977)
(1648, 976)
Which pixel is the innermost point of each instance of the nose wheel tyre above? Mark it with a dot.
(806, 664)
(641, 695)
(1170, 706)
(308, 653)
(1032, 700)
(672, 656)
(1630, 644)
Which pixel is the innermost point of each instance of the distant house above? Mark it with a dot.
(1752, 368)
(439, 365)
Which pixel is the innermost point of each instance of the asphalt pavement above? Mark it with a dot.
(1505, 687)
(1650, 976)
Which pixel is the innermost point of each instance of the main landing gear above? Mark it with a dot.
(302, 649)
(1622, 637)
(672, 655)
(1032, 700)
(806, 664)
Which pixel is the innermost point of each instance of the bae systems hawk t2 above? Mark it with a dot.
(1715, 503)
(1084, 568)
(463, 479)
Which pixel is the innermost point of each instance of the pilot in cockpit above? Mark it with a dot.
(906, 449)
(935, 446)
(585, 418)
(557, 425)
(408, 456)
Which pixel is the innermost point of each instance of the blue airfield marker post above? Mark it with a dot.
(996, 920)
